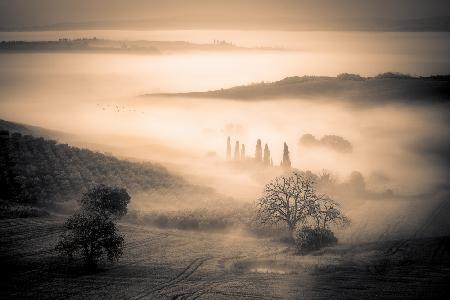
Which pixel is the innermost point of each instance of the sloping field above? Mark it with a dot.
(171, 264)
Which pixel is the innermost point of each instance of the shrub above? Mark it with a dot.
(199, 219)
(310, 239)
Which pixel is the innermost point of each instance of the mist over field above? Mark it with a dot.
(101, 92)
(396, 146)
(199, 135)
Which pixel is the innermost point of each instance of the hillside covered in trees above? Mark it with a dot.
(39, 171)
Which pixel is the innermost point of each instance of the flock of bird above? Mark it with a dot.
(117, 108)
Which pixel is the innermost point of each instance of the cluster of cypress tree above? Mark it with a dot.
(261, 156)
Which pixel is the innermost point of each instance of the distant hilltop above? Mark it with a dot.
(385, 87)
(119, 46)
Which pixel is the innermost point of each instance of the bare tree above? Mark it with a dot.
(293, 199)
(326, 212)
(287, 199)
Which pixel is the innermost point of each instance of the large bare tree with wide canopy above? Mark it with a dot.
(293, 199)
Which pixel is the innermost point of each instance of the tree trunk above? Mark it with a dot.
(91, 263)
(89, 258)
(291, 229)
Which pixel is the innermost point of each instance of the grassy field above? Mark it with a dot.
(176, 264)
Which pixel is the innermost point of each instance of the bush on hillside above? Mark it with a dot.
(310, 239)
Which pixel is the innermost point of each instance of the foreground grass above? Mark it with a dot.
(174, 264)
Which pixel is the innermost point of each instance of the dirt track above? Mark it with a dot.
(171, 264)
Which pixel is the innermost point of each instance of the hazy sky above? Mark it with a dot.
(43, 12)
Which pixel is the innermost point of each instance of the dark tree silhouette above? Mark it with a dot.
(228, 148)
(236, 151)
(266, 155)
(286, 162)
(91, 232)
(91, 235)
(348, 76)
(106, 200)
(258, 151)
(243, 152)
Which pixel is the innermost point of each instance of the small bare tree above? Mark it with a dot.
(287, 199)
(326, 212)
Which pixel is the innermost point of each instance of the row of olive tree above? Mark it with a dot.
(91, 232)
(38, 171)
(293, 199)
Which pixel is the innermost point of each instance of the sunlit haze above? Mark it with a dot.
(173, 103)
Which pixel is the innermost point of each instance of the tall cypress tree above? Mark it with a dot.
(228, 148)
(286, 163)
(258, 151)
(236, 151)
(266, 155)
(243, 152)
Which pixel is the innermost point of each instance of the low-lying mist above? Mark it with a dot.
(400, 150)
(401, 177)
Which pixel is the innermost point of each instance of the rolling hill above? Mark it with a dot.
(37, 170)
(387, 87)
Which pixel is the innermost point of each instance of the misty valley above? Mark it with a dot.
(224, 164)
